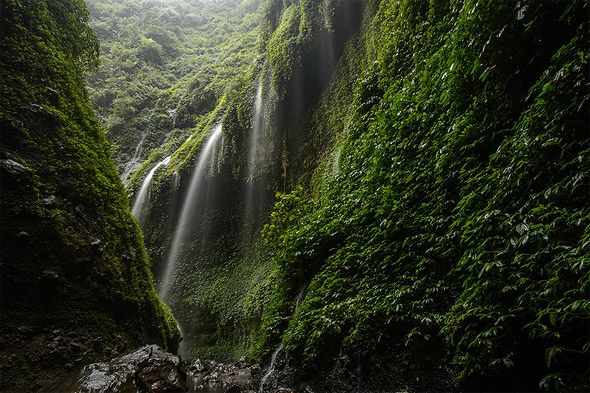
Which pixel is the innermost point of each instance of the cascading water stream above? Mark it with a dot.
(142, 196)
(273, 359)
(187, 211)
(300, 297)
(254, 149)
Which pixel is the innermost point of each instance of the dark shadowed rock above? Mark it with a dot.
(149, 369)
(14, 168)
(49, 201)
(220, 377)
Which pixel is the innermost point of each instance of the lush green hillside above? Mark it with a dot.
(76, 284)
(163, 65)
(448, 217)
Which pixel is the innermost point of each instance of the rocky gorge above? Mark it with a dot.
(311, 196)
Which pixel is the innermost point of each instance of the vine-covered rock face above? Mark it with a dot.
(76, 284)
(448, 215)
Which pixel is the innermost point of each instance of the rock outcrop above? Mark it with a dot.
(150, 369)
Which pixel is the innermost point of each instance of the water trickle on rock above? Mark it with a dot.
(271, 368)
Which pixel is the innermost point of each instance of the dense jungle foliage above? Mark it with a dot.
(163, 65)
(76, 285)
(451, 208)
(398, 199)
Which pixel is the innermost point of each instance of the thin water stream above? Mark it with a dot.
(271, 368)
(255, 160)
(135, 160)
(142, 197)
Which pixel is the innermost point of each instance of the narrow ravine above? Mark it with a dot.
(294, 196)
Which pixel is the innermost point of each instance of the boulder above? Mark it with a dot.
(149, 369)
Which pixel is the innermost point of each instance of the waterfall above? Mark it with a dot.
(142, 196)
(254, 148)
(188, 209)
(255, 160)
(259, 164)
(273, 359)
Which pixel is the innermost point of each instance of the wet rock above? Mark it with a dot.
(242, 363)
(199, 366)
(95, 243)
(34, 108)
(25, 330)
(149, 369)
(39, 113)
(227, 378)
(163, 373)
(50, 274)
(14, 168)
(53, 96)
(49, 201)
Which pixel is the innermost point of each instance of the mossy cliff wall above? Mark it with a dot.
(216, 279)
(445, 227)
(76, 284)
